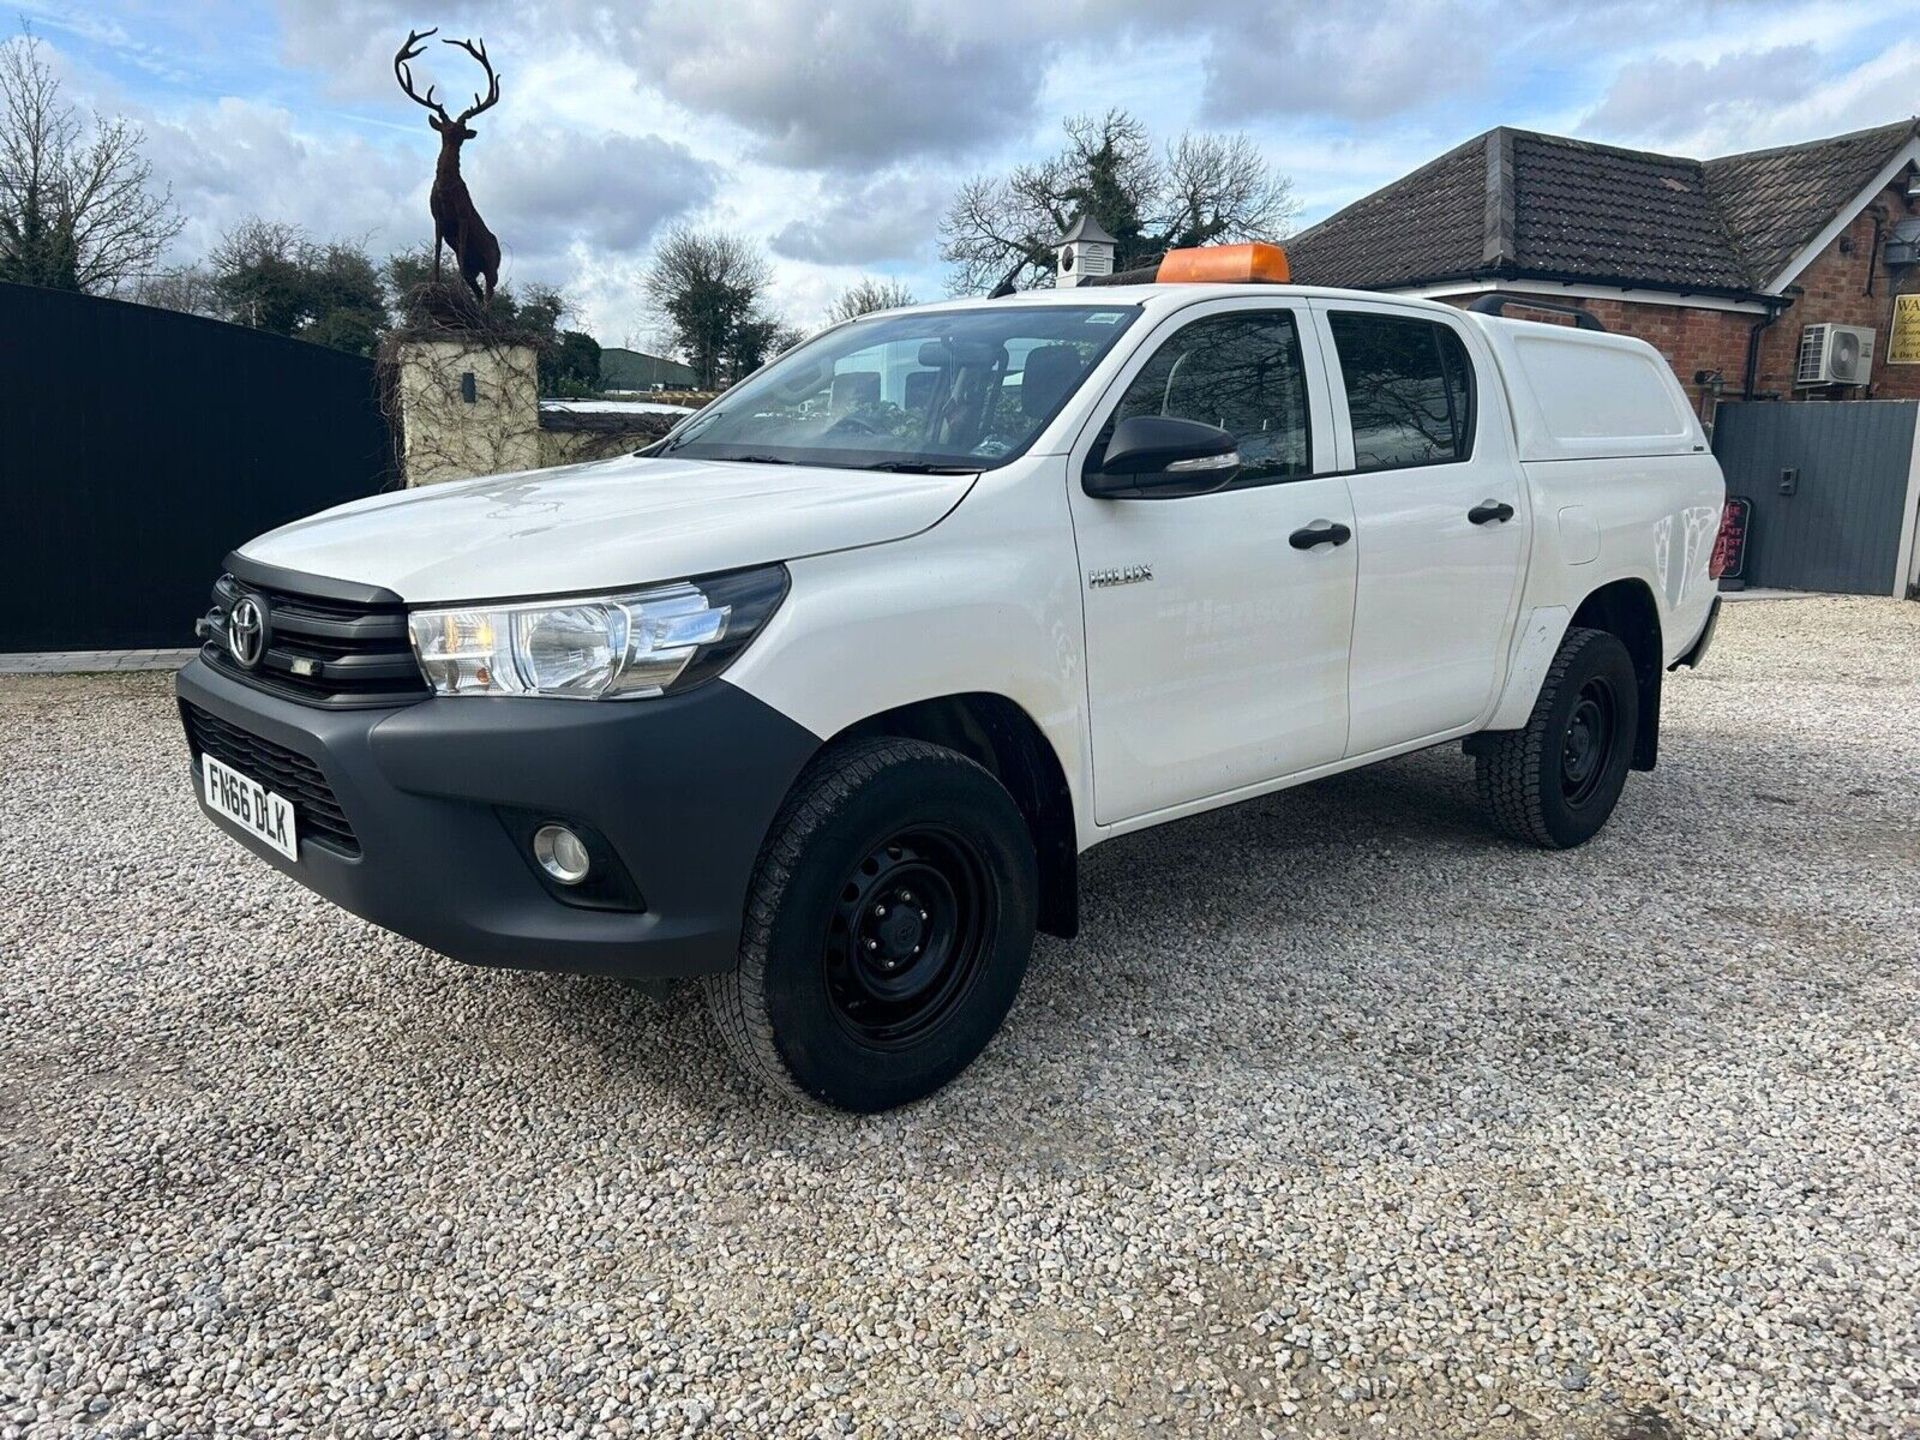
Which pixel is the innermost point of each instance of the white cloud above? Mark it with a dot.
(234, 158)
(847, 85)
(1360, 62)
(1752, 100)
(1669, 100)
(893, 216)
(815, 86)
(610, 192)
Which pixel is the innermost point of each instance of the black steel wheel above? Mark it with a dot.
(1587, 747)
(1556, 782)
(908, 935)
(887, 929)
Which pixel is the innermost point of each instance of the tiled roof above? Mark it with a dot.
(1778, 200)
(1428, 225)
(1512, 203)
(1595, 212)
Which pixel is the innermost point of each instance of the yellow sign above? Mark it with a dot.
(1904, 346)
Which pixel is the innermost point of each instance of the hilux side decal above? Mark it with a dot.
(1119, 575)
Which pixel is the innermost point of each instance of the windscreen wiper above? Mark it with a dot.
(671, 442)
(920, 467)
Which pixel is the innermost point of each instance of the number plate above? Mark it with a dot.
(250, 805)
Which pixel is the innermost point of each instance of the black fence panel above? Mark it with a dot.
(1830, 484)
(139, 446)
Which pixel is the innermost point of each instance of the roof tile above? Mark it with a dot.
(1515, 203)
(1778, 200)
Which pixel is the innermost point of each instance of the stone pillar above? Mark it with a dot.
(469, 405)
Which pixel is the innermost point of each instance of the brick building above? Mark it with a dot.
(1721, 264)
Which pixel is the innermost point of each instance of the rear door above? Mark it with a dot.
(1441, 515)
(1216, 644)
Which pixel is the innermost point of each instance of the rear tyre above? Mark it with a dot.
(1555, 782)
(888, 927)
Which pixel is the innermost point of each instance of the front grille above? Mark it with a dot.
(283, 771)
(320, 652)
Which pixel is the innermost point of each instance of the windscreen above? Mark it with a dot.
(939, 390)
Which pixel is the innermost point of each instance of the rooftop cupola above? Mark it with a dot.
(1084, 251)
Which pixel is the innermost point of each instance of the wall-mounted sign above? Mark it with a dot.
(1903, 347)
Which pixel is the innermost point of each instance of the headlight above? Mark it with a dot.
(626, 646)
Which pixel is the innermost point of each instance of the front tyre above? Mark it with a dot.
(887, 929)
(1555, 782)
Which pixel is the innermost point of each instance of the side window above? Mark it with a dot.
(1240, 372)
(1409, 389)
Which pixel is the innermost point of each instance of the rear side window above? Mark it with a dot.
(1409, 390)
(1240, 372)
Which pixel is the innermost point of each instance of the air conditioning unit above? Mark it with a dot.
(1834, 355)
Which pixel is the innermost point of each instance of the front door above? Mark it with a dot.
(1443, 522)
(1216, 641)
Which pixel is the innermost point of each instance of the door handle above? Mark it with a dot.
(1321, 532)
(1490, 510)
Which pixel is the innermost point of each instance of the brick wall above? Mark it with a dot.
(1693, 340)
(1832, 289)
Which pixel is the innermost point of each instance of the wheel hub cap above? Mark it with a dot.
(1589, 742)
(906, 936)
(899, 931)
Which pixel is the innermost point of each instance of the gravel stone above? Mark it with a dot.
(1342, 1117)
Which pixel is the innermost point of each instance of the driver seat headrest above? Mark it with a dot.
(1049, 373)
(854, 389)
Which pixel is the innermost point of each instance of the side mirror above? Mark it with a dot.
(1160, 457)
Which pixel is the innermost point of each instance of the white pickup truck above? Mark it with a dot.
(822, 698)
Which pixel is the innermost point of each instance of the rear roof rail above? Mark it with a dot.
(1495, 303)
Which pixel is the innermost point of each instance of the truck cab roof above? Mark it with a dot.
(1174, 296)
(1574, 393)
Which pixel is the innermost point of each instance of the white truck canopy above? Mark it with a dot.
(1587, 395)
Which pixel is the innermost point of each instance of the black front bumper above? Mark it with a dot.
(439, 796)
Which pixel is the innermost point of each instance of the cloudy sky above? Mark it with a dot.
(835, 133)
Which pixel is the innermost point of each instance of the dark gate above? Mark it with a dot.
(138, 446)
(1831, 486)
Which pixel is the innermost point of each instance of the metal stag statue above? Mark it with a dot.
(456, 223)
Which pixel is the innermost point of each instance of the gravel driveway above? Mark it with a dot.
(1341, 1118)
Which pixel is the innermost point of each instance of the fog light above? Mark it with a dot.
(561, 854)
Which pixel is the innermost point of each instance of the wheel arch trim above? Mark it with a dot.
(1624, 607)
(998, 733)
(1538, 641)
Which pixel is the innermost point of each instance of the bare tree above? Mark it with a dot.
(186, 288)
(709, 289)
(867, 295)
(1220, 187)
(1198, 189)
(78, 208)
(257, 270)
(268, 275)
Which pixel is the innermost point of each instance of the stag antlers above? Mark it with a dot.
(415, 46)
